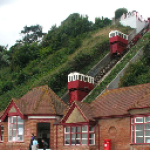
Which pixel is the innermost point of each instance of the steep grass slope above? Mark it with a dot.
(140, 69)
(53, 69)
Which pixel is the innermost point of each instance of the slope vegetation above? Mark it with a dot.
(52, 69)
(137, 73)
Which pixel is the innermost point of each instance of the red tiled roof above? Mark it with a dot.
(41, 100)
(86, 109)
(117, 101)
(143, 102)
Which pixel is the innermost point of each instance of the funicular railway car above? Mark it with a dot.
(79, 85)
(118, 42)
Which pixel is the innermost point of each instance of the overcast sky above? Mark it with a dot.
(15, 14)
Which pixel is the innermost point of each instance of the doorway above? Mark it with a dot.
(43, 132)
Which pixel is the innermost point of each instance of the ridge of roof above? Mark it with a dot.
(2, 112)
(121, 88)
(86, 109)
(118, 101)
(35, 100)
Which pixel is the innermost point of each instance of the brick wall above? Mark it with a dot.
(30, 126)
(59, 138)
(118, 130)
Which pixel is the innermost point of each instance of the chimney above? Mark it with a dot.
(79, 86)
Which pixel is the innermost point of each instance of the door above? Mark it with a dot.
(43, 132)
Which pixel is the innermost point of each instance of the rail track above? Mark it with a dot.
(105, 65)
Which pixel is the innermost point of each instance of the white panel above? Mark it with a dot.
(41, 117)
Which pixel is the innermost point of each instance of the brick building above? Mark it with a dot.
(121, 115)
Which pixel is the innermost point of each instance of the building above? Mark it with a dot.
(134, 20)
(121, 115)
(36, 112)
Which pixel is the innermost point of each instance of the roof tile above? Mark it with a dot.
(117, 101)
(41, 100)
(86, 109)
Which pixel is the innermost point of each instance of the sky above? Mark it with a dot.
(15, 14)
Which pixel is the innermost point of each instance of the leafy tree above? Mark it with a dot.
(119, 12)
(101, 22)
(32, 34)
(24, 54)
(4, 57)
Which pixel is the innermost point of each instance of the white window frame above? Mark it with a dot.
(81, 133)
(13, 127)
(135, 133)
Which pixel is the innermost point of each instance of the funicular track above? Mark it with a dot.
(112, 61)
(106, 64)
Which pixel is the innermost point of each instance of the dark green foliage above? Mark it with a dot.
(53, 59)
(138, 73)
(5, 86)
(100, 23)
(147, 53)
(119, 12)
(23, 55)
(4, 57)
(134, 75)
(72, 28)
(31, 34)
(80, 61)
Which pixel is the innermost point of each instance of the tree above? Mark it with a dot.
(119, 12)
(101, 22)
(32, 34)
(23, 55)
(4, 57)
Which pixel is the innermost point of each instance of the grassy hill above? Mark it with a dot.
(52, 69)
(137, 73)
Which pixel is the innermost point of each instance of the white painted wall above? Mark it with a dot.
(134, 20)
(131, 21)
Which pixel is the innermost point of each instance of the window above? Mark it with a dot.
(15, 129)
(77, 77)
(112, 34)
(92, 80)
(79, 135)
(140, 129)
(80, 77)
(86, 79)
(1, 133)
